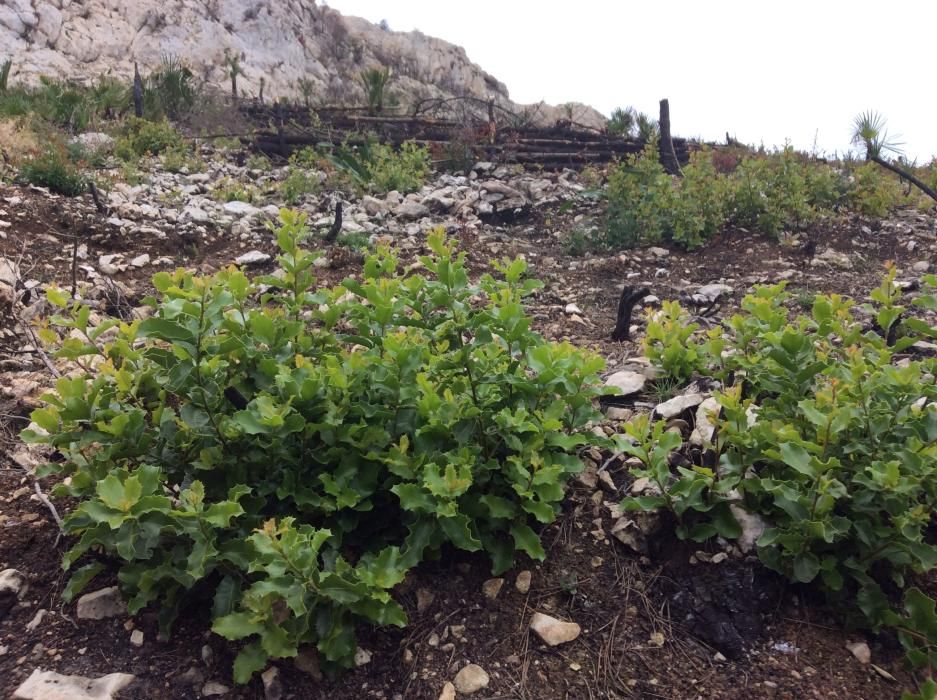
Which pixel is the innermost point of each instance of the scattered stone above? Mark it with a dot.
(753, 526)
(471, 679)
(362, 657)
(522, 584)
(628, 382)
(883, 673)
(832, 258)
(273, 687)
(711, 293)
(677, 405)
(718, 558)
(307, 661)
(704, 428)
(253, 257)
(141, 260)
(37, 619)
(448, 692)
(921, 266)
(618, 413)
(101, 604)
(635, 531)
(49, 685)
(492, 587)
(658, 252)
(572, 309)
(861, 651)
(424, 599)
(552, 631)
(136, 638)
(410, 211)
(12, 586)
(9, 272)
(214, 688)
(236, 208)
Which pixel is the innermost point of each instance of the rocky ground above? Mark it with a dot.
(617, 610)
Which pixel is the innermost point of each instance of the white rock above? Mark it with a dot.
(861, 651)
(753, 527)
(141, 260)
(921, 266)
(677, 405)
(12, 583)
(471, 679)
(136, 638)
(658, 252)
(236, 208)
(253, 257)
(552, 631)
(704, 428)
(48, 685)
(101, 604)
(409, 211)
(94, 141)
(492, 587)
(627, 381)
(214, 689)
(273, 687)
(362, 657)
(448, 692)
(9, 272)
(522, 584)
(573, 309)
(709, 293)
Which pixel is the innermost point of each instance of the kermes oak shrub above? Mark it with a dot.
(292, 451)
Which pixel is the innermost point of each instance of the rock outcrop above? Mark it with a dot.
(281, 42)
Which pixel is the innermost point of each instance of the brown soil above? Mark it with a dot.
(637, 639)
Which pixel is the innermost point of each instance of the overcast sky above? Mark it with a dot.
(764, 71)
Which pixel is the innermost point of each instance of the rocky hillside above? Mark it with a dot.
(281, 41)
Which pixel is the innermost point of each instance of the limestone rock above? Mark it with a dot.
(48, 685)
(101, 604)
(552, 631)
(471, 679)
(448, 692)
(677, 405)
(214, 689)
(522, 584)
(861, 651)
(253, 257)
(12, 586)
(492, 587)
(628, 382)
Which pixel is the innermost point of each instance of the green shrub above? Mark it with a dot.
(826, 436)
(230, 190)
(874, 192)
(5, 69)
(639, 196)
(142, 137)
(646, 205)
(179, 159)
(53, 169)
(294, 455)
(258, 161)
(404, 170)
(771, 194)
(378, 167)
(297, 184)
(170, 92)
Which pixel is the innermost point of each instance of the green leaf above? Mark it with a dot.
(236, 625)
(249, 661)
(806, 567)
(528, 541)
(81, 578)
(226, 597)
(798, 458)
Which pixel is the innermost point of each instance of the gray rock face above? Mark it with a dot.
(48, 685)
(280, 42)
(253, 257)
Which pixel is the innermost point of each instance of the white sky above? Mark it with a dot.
(765, 72)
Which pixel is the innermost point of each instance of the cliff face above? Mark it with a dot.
(281, 41)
